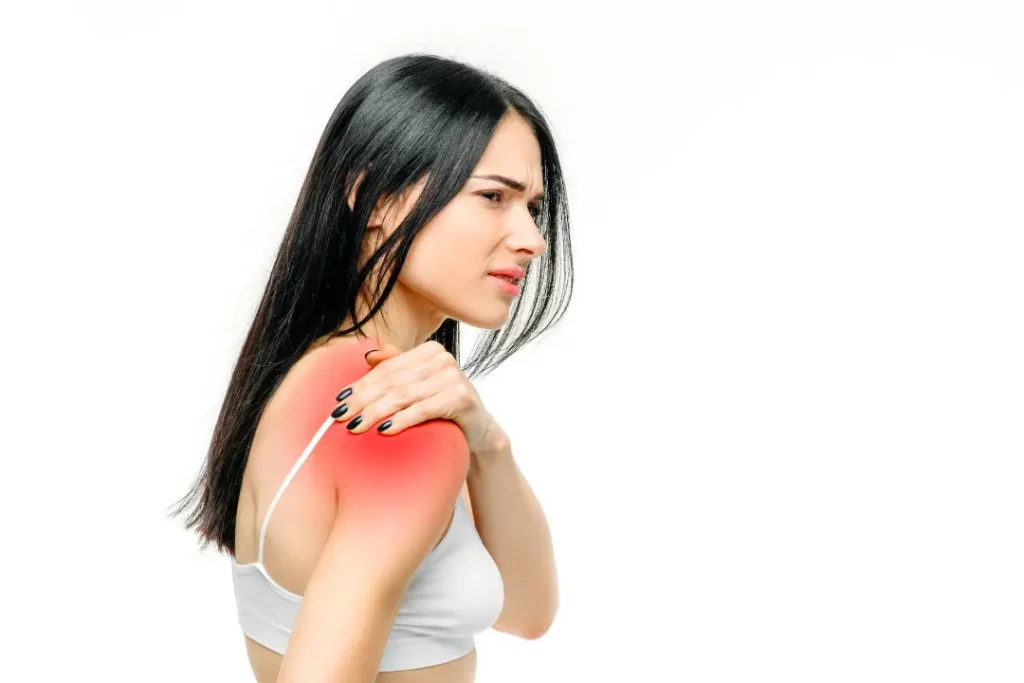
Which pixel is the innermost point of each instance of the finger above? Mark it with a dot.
(419, 363)
(360, 393)
(390, 366)
(377, 356)
(430, 353)
(432, 407)
(391, 402)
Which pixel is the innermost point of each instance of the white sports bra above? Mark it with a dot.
(455, 593)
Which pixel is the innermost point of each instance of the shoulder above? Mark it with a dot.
(433, 454)
(309, 387)
(394, 500)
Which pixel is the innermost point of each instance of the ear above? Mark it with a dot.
(355, 189)
(379, 211)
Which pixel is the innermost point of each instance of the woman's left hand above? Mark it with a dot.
(423, 383)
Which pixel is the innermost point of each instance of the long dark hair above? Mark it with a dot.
(408, 116)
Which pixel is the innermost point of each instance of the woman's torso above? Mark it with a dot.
(291, 557)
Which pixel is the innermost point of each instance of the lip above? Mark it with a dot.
(513, 272)
(507, 287)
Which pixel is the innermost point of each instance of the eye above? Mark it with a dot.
(534, 209)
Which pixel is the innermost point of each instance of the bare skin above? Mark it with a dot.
(291, 556)
(488, 226)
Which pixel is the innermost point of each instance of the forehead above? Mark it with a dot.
(513, 151)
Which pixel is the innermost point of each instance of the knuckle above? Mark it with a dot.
(459, 394)
(415, 413)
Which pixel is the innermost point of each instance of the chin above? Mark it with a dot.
(485, 320)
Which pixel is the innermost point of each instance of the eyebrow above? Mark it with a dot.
(504, 180)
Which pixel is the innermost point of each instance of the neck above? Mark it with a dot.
(406, 319)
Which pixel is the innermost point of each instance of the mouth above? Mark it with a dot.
(508, 284)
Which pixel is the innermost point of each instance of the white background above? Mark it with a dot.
(778, 436)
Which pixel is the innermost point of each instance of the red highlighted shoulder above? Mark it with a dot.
(371, 469)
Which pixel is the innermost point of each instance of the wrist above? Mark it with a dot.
(495, 447)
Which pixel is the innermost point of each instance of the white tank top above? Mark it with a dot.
(455, 593)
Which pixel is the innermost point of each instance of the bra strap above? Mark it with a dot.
(287, 480)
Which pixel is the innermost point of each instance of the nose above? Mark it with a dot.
(526, 237)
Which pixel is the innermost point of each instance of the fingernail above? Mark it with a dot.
(343, 395)
(368, 353)
(340, 410)
(384, 426)
(355, 422)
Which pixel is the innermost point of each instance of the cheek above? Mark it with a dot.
(448, 255)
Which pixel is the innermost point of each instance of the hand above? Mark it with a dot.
(421, 384)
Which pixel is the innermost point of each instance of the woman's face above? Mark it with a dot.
(488, 226)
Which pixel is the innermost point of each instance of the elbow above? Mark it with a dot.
(527, 630)
(535, 633)
(539, 628)
(529, 621)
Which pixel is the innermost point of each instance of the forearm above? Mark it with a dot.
(514, 530)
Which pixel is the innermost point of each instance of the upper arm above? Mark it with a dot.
(395, 496)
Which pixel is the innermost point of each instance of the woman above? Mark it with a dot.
(374, 514)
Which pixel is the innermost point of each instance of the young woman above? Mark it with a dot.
(375, 517)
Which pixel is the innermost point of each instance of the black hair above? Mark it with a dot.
(406, 117)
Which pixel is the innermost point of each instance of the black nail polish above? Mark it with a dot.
(368, 353)
(384, 426)
(343, 395)
(355, 422)
(340, 410)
